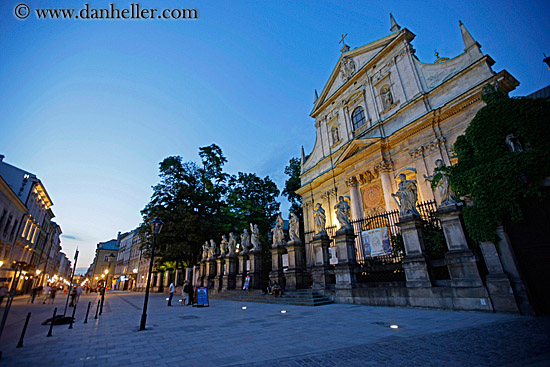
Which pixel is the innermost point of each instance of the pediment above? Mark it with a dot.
(351, 62)
(354, 147)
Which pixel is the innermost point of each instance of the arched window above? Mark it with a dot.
(358, 117)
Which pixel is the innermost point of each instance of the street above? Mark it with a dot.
(256, 334)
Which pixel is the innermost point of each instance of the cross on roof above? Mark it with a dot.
(342, 40)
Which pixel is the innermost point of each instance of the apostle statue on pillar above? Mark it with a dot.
(342, 210)
(224, 246)
(245, 241)
(255, 238)
(294, 228)
(232, 244)
(407, 195)
(278, 233)
(213, 249)
(205, 250)
(320, 219)
(440, 179)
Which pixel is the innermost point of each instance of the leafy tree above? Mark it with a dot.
(291, 185)
(497, 178)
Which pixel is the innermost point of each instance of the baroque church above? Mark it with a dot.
(384, 113)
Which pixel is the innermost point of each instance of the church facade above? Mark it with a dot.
(382, 116)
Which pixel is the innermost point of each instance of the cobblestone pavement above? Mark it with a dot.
(239, 334)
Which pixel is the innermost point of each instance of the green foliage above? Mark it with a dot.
(292, 184)
(434, 240)
(199, 202)
(494, 176)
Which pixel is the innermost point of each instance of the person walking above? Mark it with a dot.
(191, 294)
(78, 292)
(46, 293)
(73, 297)
(185, 293)
(52, 294)
(171, 294)
(3, 293)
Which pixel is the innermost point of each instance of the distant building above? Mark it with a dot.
(103, 266)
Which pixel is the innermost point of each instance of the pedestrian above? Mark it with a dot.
(78, 292)
(73, 296)
(3, 293)
(171, 294)
(52, 294)
(191, 295)
(46, 293)
(34, 291)
(185, 293)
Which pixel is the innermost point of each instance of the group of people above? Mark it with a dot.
(273, 288)
(187, 294)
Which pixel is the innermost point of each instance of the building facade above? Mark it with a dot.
(382, 118)
(102, 268)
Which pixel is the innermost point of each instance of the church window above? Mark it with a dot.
(358, 117)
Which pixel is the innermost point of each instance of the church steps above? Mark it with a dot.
(304, 297)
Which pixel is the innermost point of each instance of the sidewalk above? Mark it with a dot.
(260, 335)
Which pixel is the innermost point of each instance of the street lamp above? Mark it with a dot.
(156, 227)
(105, 276)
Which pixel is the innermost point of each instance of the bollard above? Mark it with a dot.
(51, 323)
(96, 310)
(20, 344)
(87, 312)
(72, 317)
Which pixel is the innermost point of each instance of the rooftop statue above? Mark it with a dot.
(407, 195)
(320, 219)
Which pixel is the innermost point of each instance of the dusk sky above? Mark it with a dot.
(92, 106)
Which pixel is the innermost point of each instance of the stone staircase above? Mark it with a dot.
(302, 297)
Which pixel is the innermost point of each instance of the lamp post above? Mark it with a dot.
(18, 271)
(156, 227)
(105, 276)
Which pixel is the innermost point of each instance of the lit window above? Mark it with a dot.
(358, 118)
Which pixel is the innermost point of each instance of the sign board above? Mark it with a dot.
(246, 282)
(202, 297)
(285, 260)
(376, 242)
(247, 265)
(332, 256)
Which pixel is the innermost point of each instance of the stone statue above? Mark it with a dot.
(214, 250)
(232, 244)
(320, 219)
(245, 241)
(255, 238)
(513, 143)
(224, 246)
(278, 233)
(342, 210)
(387, 98)
(407, 195)
(205, 250)
(441, 179)
(294, 228)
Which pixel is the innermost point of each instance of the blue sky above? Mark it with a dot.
(92, 106)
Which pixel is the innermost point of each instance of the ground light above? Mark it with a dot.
(244, 307)
(283, 311)
(394, 326)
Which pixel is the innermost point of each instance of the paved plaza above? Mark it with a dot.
(255, 334)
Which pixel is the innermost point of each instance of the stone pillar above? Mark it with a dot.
(178, 278)
(229, 276)
(202, 275)
(347, 264)
(160, 284)
(355, 198)
(218, 279)
(276, 273)
(386, 181)
(295, 276)
(255, 270)
(241, 271)
(196, 273)
(461, 261)
(498, 283)
(210, 272)
(414, 263)
(319, 271)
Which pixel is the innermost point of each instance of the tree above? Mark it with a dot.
(292, 184)
(497, 175)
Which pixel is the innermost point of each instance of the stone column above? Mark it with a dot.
(255, 270)
(202, 274)
(276, 273)
(160, 284)
(461, 261)
(218, 279)
(196, 273)
(386, 181)
(355, 198)
(347, 264)
(229, 276)
(414, 263)
(178, 277)
(295, 276)
(210, 272)
(498, 283)
(241, 272)
(319, 272)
